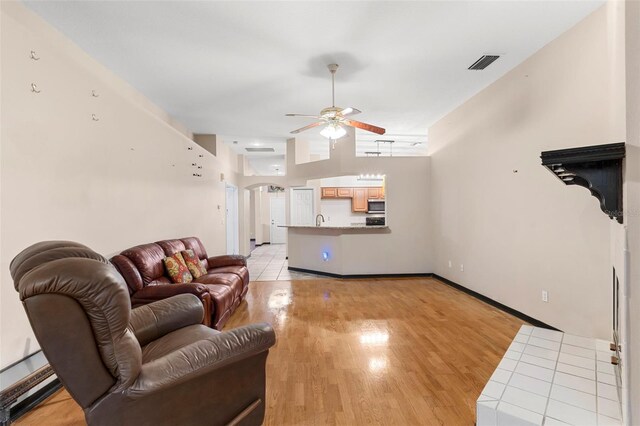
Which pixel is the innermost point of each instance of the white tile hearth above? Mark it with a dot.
(577, 371)
(540, 362)
(571, 414)
(544, 343)
(544, 333)
(512, 354)
(573, 397)
(486, 412)
(512, 415)
(507, 364)
(575, 382)
(515, 346)
(524, 399)
(583, 342)
(607, 421)
(539, 387)
(607, 378)
(540, 352)
(578, 361)
(548, 421)
(609, 408)
(605, 368)
(501, 376)
(578, 351)
(534, 371)
(608, 391)
(493, 390)
(559, 379)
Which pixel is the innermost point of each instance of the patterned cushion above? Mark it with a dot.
(177, 268)
(193, 263)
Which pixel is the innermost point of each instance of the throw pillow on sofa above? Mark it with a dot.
(177, 268)
(196, 268)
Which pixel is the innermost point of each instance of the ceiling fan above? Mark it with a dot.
(335, 117)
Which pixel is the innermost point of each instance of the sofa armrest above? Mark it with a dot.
(203, 357)
(154, 293)
(227, 260)
(154, 320)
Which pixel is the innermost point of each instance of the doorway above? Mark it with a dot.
(302, 206)
(277, 235)
(232, 219)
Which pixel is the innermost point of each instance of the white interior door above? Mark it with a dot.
(278, 217)
(232, 219)
(302, 206)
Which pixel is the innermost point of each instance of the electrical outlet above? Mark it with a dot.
(545, 296)
(461, 267)
(450, 264)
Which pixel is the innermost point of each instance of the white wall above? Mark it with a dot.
(338, 212)
(520, 233)
(121, 181)
(252, 214)
(406, 247)
(632, 196)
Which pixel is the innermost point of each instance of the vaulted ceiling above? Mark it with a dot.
(235, 68)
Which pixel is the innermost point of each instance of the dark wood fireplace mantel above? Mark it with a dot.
(597, 168)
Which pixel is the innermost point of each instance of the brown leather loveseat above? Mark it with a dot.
(221, 290)
(153, 365)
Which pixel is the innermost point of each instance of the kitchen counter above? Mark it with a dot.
(335, 227)
(341, 250)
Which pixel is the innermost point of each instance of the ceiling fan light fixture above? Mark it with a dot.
(333, 131)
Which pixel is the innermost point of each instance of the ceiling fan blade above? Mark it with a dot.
(364, 126)
(301, 115)
(349, 111)
(310, 126)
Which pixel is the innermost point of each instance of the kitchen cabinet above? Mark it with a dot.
(359, 200)
(375, 193)
(345, 192)
(362, 194)
(328, 192)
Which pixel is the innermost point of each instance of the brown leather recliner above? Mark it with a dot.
(221, 290)
(153, 365)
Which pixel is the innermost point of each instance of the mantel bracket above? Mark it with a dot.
(597, 168)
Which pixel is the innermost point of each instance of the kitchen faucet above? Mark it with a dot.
(318, 217)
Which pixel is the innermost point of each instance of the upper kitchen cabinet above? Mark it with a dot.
(359, 200)
(339, 192)
(376, 193)
(345, 192)
(328, 192)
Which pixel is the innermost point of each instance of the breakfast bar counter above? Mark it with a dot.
(328, 227)
(342, 250)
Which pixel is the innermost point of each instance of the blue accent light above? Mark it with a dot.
(325, 256)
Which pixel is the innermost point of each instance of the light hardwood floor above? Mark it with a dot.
(356, 352)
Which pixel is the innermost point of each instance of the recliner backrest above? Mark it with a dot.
(171, 246)
(78, 305)
(195, 244)
(147, 259)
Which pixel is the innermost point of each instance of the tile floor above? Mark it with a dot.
(269, 263)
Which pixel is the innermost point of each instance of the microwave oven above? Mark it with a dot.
(375, 206)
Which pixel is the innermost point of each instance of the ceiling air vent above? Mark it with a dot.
(483, 62)
(260, 149)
